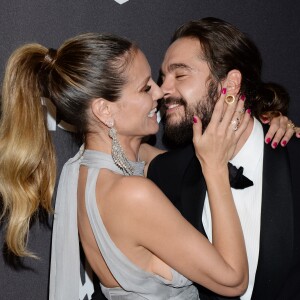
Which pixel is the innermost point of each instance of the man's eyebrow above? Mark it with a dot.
(174, 67)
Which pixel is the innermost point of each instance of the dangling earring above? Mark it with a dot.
(117, 152)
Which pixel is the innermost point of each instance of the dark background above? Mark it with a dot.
(273, 25)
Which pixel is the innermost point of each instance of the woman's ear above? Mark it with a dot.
(101, 110)
(233, 82)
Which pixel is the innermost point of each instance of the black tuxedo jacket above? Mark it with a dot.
(178, 174)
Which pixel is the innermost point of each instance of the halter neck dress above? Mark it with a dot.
(135, 282)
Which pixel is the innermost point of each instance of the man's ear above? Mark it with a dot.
(233, 82)
(101, 109)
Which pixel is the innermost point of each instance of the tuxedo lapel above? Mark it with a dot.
(276, 236)
(193, 192)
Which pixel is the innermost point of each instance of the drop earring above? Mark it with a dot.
(117, 151)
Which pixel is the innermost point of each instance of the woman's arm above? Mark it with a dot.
(155, 224)
(152, 222)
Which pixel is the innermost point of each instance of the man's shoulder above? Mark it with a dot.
(175, 156)
(171, 164)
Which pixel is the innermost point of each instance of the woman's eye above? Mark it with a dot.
(147, 88)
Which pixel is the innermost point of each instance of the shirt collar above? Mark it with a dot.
(251, 152)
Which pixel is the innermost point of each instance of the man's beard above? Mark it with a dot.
(181, 133)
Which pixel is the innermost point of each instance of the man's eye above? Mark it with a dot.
(147, 88)
(180, 76)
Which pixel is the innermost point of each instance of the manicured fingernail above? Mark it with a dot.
(248, 111)
(224, 91)
(243, 97)
(268, 140)
(265, 120)
(195, 120)
(283, 143)
(274, 145)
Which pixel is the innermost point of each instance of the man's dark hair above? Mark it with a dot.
(226, 48)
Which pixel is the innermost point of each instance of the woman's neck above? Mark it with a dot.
(102, 142)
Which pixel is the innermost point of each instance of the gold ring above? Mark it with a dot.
(229, 99)
(291, 125)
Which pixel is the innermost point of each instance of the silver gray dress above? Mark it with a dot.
(135, 283)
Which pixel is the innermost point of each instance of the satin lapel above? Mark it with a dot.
(193, 192)
(276, 236)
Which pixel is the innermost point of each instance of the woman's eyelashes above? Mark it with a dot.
(147, 88)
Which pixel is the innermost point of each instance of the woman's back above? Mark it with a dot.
(136, 269)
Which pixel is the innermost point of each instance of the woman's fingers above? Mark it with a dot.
(233, 113)
(281, 130)
(197, 130)
(217, 114)
(243, 124)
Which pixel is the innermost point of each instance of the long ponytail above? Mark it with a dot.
(27, 158)
(85, 67)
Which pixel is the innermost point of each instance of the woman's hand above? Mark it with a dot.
(215, 146)
(281, 129)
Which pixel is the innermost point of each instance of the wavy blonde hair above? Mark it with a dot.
(27, 159)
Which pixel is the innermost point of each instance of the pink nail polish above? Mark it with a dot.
(274, 145)
(268, 140)
(248, 111)
(224, 91)
(283, 143)
(243, 97)
(195, 120)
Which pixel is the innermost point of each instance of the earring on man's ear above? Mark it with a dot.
(229, 99)
(117, 151)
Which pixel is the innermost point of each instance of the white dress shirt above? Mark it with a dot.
(247, 201)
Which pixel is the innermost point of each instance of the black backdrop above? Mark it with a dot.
(274, 25)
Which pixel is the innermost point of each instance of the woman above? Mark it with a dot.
(102, 84)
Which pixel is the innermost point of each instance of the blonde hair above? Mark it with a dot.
(85, 67)
(27, 159)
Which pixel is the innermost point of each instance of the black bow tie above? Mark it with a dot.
(237, 179)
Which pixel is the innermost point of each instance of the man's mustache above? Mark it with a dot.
(173, 100)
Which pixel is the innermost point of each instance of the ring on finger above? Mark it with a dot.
(241, 111)
(291, 125)
(229, 99)
(235, 124)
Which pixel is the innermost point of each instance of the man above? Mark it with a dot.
(204, 57)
